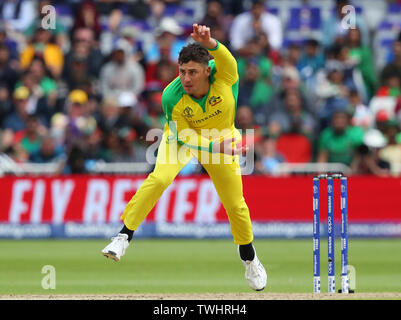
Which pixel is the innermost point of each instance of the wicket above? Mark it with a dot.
(330, 232)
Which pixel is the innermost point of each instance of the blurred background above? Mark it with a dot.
(320, 86)
(316, 85)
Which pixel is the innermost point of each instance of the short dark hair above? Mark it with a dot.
(194, 52)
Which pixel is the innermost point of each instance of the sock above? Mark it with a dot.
(247, 252)
(128, 232)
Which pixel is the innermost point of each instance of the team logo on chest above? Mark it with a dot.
(188, 112)
(214, 100)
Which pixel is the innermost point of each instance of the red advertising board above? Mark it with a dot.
(101, 199)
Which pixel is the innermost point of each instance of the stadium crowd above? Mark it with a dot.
(89, 87)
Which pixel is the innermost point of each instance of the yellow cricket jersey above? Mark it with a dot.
(187, 116)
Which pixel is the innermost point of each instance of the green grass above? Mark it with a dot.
(188, 266)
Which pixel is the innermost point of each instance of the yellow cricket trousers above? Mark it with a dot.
(225, 174)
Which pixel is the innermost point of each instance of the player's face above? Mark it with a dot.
(194, 77)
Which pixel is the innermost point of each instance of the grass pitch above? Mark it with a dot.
(173, 266)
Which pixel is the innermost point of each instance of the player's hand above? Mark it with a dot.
(230, 147)
(201, 34)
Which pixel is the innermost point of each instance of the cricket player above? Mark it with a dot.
(200, 108)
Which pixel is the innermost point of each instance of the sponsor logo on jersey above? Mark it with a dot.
(188, 112)
(214, 100)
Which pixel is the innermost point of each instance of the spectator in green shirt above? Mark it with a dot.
(338, 142)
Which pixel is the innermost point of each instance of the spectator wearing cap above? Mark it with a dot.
(366, 159)
(16, 121)
(333, 30)
(77, 123)
(18, 14)
(131, 115)
(42, 46)
(121, 75)
(168, 44)
(339, 141)
(247, 25)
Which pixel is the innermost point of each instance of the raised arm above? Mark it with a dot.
(226, 64)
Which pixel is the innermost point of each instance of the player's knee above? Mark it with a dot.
(161, 182)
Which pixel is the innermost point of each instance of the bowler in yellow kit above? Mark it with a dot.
(200, 108)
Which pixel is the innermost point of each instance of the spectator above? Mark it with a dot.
(253, 89)
(8, 74)
(366, 159)
(269, 159)
(338, 142)
(362, 58)
(42, 83)
(59, 32)
(16, 122)
(129, 38)
(245, 121)
(48, 151)
(247, 25)
(77, 124)
(167, 44)
(311, 61)
(161, 72)
(75, 161)
(216, 20)
(255, 51)
(38, 103)
(109, 116)
(84, 61)
(334, 31)
(155, 117)
(120, 74)
(43, 47)
(30, 138)
(111, 34)
(5, 103)
(17, 14)
(361, 114)
(293, 117)
(289, 80)
(393, 69)
(332, 90)
(392, 151)
(87, 16)
(12, 44)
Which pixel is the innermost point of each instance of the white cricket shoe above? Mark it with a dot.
(255, 274)
(116, 248)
